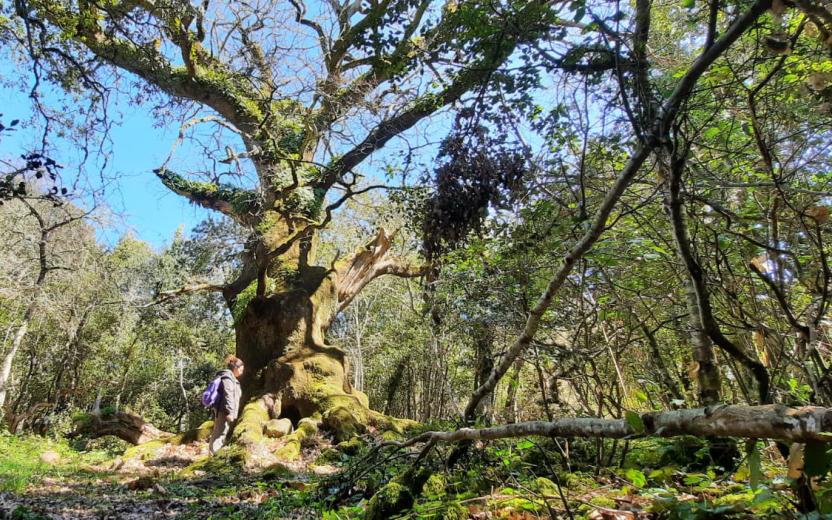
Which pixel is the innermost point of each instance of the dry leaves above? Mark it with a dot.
(796, 461)
(760, 262)
(819, 214)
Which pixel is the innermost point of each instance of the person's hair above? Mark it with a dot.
(233, 362)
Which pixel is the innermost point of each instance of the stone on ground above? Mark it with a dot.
(50, 457)
(276, 428)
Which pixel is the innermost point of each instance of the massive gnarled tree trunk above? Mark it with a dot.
(281, 323)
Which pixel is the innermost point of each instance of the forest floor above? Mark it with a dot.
(49, 478)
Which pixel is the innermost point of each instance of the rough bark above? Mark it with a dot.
(705, 369)
(8, 359)
(698, 280)
(291, 371)
(23, 329)
(707, 373)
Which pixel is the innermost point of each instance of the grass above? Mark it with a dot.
(21, 464)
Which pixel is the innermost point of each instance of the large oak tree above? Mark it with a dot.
(297, 84)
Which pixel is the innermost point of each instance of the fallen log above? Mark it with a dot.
(776, 422)
(125, 426)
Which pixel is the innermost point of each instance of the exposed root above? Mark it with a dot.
(125, 426)
(137, 455)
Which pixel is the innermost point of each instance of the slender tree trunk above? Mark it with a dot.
(8, 359)
(483, 338)
(704, 368)
(20, 334)
(706, 371)
(394, 383)
(664, 374)
(698, 283)
(510, 408)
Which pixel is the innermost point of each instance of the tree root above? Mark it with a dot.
(125, 426)
(149, 450)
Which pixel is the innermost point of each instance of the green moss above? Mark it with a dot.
(602, 502)
(393, 426)
(243, 299)
(344, 422)
(390, 436)
(80, 420)
(291, 450)
(452, 511)
(304, 200)
(278, 471)
(200, 434)
(435, 485)
(229, 461)
(242, 201)
(579, 481)
(415, 478)
(362, 398)
(148, 450)
(249, 427)
(268, 221)
(230, 85)
(351, 447)
(289, 127)
(544, 486)
(388, 501)
(328, 456)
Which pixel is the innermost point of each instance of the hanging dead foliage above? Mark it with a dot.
(476, 173)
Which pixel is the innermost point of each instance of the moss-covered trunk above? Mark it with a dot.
(291, 372)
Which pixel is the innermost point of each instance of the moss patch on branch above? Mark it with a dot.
(148, 450)
(239, 201)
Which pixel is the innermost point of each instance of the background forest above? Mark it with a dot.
(438, 233)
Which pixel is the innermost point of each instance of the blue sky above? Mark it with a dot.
(149, 209)
(139, 202)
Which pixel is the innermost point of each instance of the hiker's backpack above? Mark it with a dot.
(211, 395)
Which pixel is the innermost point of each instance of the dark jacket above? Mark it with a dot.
(229, 399)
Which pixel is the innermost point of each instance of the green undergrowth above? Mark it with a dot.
(21, 460)
(539, 478)
(657, 478)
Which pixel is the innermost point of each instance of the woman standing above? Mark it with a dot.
(227, 405)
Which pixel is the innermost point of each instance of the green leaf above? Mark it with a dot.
(636, 477)
(815, 459)
(755, 467)
(688, 4)
(525, 444)
(635, 422)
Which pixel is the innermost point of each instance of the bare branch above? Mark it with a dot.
(165, 296)
(369, 263)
